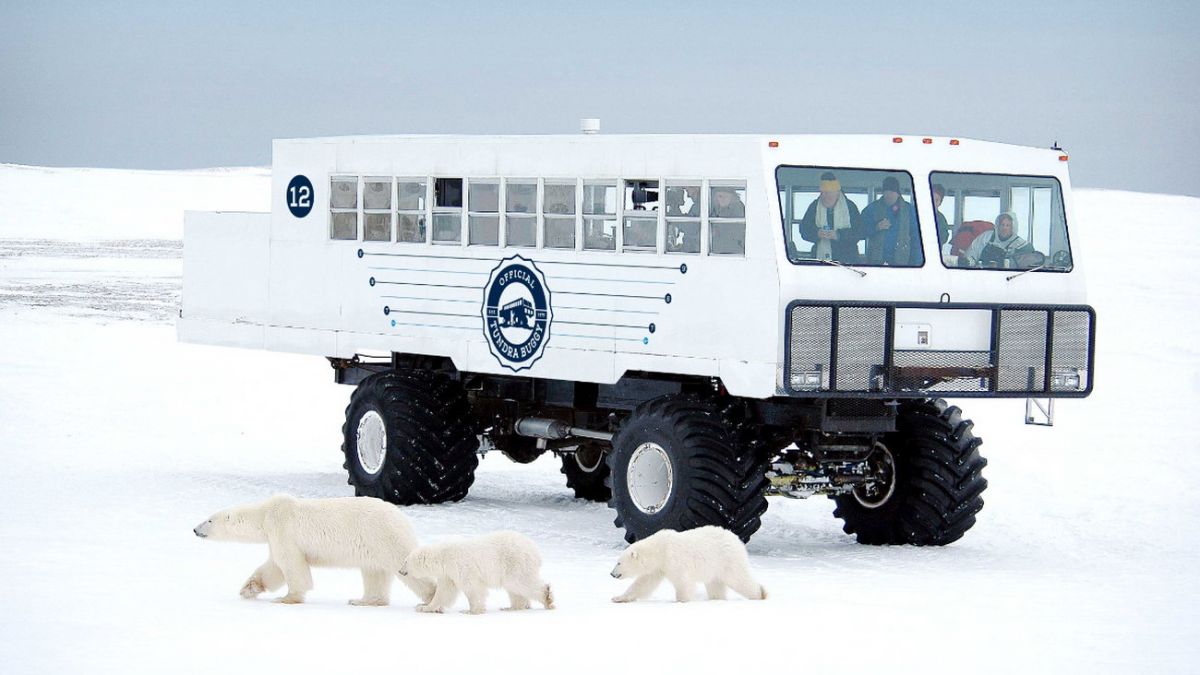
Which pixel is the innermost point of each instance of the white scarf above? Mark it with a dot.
(841, 221)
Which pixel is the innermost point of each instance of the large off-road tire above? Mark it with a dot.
(587, 473)
(704, 476)
(409, 438)
(936, 484)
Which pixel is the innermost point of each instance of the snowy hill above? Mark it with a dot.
(96, 204)
(115, 440)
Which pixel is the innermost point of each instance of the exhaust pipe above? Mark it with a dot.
(540, 427)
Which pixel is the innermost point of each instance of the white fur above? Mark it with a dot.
(361, 532)
(505, 560)
(707, 555)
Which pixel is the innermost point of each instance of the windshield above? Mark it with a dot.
(860, 217)
(992, 221)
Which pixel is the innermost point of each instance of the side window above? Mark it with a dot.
(683, 217)
(410, 205)
(483, 213)
(727, 219)
(558, 214)
(640, 225)
(520, 213)
(447, 210)
(377, 209)
(343, 207)
(600, 216)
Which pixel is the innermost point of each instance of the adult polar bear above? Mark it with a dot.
(507, 560)
(708, 555)
(361, 532)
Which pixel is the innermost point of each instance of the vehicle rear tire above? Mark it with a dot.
(936, 483)
(409, 438)
(676, 464)
(587, 473)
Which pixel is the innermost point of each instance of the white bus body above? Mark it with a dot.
(281, 282)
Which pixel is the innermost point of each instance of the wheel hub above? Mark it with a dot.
(371, 442)
(877, 492)
(650, 478)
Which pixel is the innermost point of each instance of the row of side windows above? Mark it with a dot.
(700, 217)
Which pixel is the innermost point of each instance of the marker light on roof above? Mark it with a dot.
(897, 139)
(772, 144)
(927, 141)
(953, 141)
(1062, 158)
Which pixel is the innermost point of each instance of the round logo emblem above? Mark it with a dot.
(516, 313)
(300, 196)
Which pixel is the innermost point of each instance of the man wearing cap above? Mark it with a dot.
(891, 224)
(832, 223)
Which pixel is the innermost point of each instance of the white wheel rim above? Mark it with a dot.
(649, 478)
(582, 457)
(371, 442)
(875, 501)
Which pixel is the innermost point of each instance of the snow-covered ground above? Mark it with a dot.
(115, 440)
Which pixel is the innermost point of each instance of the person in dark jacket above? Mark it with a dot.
(832, 223)
(943, 226)
(891, 226)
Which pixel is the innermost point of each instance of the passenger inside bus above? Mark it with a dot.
(943, 226)
(833, 223)
(1000, 247)
(891, 225)
(726, 204)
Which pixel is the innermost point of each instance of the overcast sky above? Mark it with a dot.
(180, 85)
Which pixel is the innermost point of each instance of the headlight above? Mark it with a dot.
(1066, 379)
(808, 380)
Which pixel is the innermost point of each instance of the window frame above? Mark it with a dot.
(708, 219)
(461, 210)
(391, 210)
(1009, 270)
(357, 210)
(700, 219)
(871, 198)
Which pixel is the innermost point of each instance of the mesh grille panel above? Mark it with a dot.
(810, 343)
(860, 346)
(1022, 350)
(1070, 346)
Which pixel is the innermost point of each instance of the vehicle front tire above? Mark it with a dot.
(936, 484)
(676, 464)
(409, 438)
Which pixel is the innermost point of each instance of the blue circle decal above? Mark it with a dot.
(299, 196)
(516, 313)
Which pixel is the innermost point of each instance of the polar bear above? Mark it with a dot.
(362, 532)
(507, 560)
(709, 555)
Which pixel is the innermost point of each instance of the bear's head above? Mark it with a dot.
(241, 523)
(419, 563)
(634, 561)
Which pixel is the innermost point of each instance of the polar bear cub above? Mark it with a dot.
(507, 560)
(362, 532)
(709, 555)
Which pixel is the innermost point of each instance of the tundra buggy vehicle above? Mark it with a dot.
(691, 323)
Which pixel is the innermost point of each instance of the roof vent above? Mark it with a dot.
(589, 125)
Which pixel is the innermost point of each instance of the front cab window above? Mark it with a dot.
(861, 217)
(998, 221)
